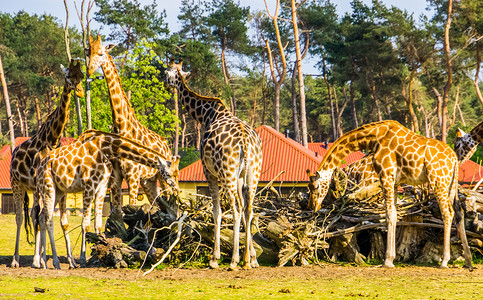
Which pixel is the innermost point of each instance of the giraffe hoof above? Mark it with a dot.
(246, 267)
(388, 265)
(255, 264)
(233, 267)
(213, 264)
(443, 267)
(14, 264)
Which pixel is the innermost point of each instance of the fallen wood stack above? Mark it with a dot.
(350, 226)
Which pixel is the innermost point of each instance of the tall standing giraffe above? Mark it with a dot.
(22, 167)
(231, 152)
(126, 124)
(466, 143)
(85, 166)
(400, 156)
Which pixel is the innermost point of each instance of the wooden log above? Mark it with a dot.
(409, 239)
(364, 194)
(378, 245)
(345, 247)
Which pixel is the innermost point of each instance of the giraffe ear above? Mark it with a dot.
(91, 39)
(98, 37)
(460, 133)
(110, 47)
(184, 74)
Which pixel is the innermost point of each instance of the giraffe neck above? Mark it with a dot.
(121, 147)
(362, 138)
(51, 130)
(122, 112)
(203, 109)
(477, 133)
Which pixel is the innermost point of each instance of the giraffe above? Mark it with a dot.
(230, 153)
(466, 143)
(126, 124)
(24, 156)
(85, 166)
(400, 156)
(361, 172)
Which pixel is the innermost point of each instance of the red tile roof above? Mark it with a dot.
(279, 153)
(6, 157)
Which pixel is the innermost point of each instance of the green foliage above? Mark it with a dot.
(130, 22)
(188, 156)
(148, 95)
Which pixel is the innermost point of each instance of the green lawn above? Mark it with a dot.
(331, 281)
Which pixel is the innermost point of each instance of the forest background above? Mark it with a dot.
(373, 63)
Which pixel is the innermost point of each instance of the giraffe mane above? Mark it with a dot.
(134, 142)
(363, 144)
(205, 98)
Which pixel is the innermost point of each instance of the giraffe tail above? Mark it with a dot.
(453, 195)
(27, 223)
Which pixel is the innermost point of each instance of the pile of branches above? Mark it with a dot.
(350, 226)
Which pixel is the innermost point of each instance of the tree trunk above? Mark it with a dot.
(333, 108)
(303, 117)
(183, 132)
(67, 49)
(409, 102)
(295, 114)
(37, 112)
(276, 108)
(226, 77)
(277, 81)
(449, 72)
(477, 73)
(176, 131)
(355, 124)
(7, 106)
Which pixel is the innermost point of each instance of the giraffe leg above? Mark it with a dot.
(237, 207)
(215, 195)
(18, 194)
(99, 200)
(391, 220)
(248, 225)
(247, 218)
(50, 230)
(86, 220)
(133, 189)
(116, 192)
(447, 215)
(460, 226)
(64, 223)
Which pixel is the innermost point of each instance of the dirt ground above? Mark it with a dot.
(325, 271)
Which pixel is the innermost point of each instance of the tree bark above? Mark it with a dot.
(409, 102)
(277, 81)
(176, 131)
(449, 72)
(295, 115)
(355, 124)
(477, 73)
(7, 106)
(303, 116)
(37, 112)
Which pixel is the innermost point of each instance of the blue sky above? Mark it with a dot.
(56, 8)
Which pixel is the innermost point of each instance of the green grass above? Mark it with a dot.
(333, 281)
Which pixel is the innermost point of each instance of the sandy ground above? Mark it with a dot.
(314, 271)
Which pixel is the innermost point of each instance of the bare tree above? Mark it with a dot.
(303, 115)
(7, 106)
(277, 81)
(67, 49)
(85, 10)
(443, 101)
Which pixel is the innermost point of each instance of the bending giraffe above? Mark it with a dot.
(466, 143)
(400, 156)
(85, 166)
(231, 154)
(361, 172)
(126, 124)
(26, 155)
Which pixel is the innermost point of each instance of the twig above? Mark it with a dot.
(178, 236)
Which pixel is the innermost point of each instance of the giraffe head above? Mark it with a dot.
(99, 54)
(318, 187)
(464, 145)
(73, 77)
(169, 170)
(174, 74)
